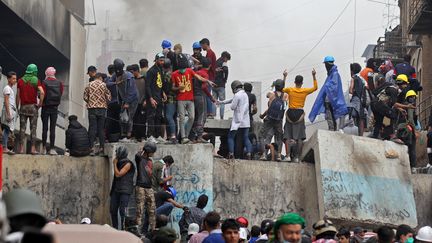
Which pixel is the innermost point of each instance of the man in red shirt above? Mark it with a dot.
(205, 44)
(183, 83)
(28, 87)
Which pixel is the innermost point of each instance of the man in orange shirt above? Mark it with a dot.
(295, 129)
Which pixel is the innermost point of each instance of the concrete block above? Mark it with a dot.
(261, 190)
(70, 188)
(422, 185)
(192, 171)
(358, 184)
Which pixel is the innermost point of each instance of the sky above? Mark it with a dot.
(263, 37)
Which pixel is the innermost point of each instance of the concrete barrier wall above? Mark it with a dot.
(259, 190)
(363, 181)
(422, 185)
(192, 171)
(70, 188)
(73, 188)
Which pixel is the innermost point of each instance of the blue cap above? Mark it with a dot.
(329, 59)
(166, 44)
(196, 45)
(173, 191)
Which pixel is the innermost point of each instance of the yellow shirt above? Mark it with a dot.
(297, 96)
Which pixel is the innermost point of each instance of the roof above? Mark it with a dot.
(369, 51)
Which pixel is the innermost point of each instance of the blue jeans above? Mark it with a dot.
(210, 110)
(119, 202)
(6, 132)
(244, 132)
(219, 94)
(165, 209)
(170, 114)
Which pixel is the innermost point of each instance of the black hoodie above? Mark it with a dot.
(77, 137)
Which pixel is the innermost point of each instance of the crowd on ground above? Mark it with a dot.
(23, 220)
(170, 101)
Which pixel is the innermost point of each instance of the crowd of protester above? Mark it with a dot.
(23, 220)
(170, 101)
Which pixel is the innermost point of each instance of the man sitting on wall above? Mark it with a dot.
(77, 139)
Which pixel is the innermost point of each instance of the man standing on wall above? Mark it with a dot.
(53, 89)
(28, 87)
(220, 80)
(205, 44)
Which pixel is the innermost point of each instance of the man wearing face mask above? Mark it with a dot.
(404, 234)
(127, 96)
(288, 228)
(330, 98)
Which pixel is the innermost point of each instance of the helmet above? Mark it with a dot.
(32, 69)
(118, 64)
(196, 45)
(279, 84)
(22, 201)
(266, 226)
(424, 234)
(173, 191)
(323, 226)
(159, 55)
(410, 93)
(329, 59)
(402, 78)
(236, 84)
(121, 152)
(166, 44)
(149, 147)
(248, 87)
(243, 221)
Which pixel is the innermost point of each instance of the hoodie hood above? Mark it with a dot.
(75, 124)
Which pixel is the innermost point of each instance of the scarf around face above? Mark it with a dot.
(30, 78)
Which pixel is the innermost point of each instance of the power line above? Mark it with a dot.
(385, 3)
(355, 29)
(322, 38)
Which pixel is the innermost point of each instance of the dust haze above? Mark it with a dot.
(263, 37)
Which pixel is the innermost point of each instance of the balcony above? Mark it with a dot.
(420, 17)
(392, 45)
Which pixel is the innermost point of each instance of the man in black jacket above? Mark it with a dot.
(144, 192)
(77, 139)
(155, 97)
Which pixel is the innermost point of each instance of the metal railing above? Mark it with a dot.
(415, 9)
(424, 111)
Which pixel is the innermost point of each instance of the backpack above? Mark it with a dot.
(382, 94)
(277, 108)
(53, 92)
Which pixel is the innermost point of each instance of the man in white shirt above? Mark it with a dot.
(240, 123)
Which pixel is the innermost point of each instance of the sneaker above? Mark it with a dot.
(428, 165)
(185, 141)
(210, 117)
(201, 140)
(160, 140)
(296, 160)
(7, 151)
(278, 158)
(413, 170)
(287, 159)
(230, 156)
(151, 139)
(248, 156)
(263, 157)
(172, 140)
(397, 140)
(52, 152)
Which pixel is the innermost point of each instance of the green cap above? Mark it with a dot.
(22, 201)
(32, 68)
(289, 218)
